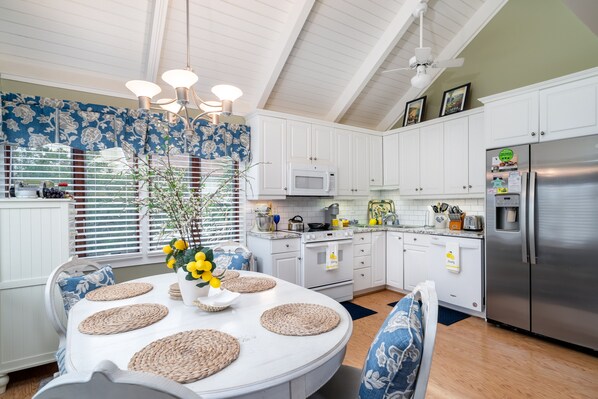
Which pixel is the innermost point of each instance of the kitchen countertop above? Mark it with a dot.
(275, 235)
(281, 235)
(421, 230)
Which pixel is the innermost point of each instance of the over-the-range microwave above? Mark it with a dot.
(312, 180)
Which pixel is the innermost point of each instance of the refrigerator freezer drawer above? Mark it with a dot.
(464, 289)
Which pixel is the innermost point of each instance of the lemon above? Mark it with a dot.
(167, 249)
(171, 263)
(181, 245)
(195, 275)
(191, 267)
(200, 256)
(206, 276)
(207, 265)
(373, 221)
(215, 283)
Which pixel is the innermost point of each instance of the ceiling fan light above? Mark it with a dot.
(180, 78)
(143, 88)
(421, 79)
(227, 92)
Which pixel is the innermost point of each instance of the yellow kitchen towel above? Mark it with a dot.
(452, 262)
(332, 256)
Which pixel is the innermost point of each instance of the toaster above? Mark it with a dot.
(473, 223)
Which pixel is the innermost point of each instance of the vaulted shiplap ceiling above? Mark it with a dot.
(316, 58)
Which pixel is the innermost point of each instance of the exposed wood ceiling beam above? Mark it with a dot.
(156, 38)
(389, 39)
(484, 14)
(297, 17)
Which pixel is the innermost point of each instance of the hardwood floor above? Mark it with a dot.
(472, 359)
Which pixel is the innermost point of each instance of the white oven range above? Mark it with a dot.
(336, 283)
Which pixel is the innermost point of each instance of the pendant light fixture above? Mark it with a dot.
(182, 80)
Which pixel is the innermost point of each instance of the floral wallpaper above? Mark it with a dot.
(32, 121)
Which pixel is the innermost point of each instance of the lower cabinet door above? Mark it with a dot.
(362, 279)
(394, 259)
(286, 266)
(415, 263)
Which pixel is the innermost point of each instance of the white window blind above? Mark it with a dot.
(222, 221)
(105, 224)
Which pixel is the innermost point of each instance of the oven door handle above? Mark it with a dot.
(325, 244)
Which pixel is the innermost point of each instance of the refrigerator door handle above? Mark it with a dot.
(523, 218)
(532, 218)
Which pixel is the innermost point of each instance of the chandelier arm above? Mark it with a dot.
(200, 116)
(198, 100)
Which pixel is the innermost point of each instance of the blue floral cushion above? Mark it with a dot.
(73, 289)
(232, 261)
(393, 359)
(60, 360)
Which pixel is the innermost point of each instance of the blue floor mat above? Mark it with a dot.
(446, 316)
(356, 311)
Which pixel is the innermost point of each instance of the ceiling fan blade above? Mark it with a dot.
(396, 69)
(457, 62)
(423, 55)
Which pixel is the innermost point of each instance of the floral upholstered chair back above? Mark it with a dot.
(232, 255)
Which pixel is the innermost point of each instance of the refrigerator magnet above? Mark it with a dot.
(514, 182)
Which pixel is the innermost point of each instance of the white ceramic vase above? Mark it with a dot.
(189, 289)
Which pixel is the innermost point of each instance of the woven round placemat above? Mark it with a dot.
(187, 356)
(123, 318)
(119, 291)
(249, 284)
(300, 319)
(229, 275)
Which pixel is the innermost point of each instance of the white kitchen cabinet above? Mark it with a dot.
(362, 279)
(415, 259)
(279, 258)
(376, 162)
(268, 178)
(465, 288)
(390, 161)
(362, 261)
(378, 258)
(560, 108)
(36, 235)
(394, 259)
(421, 161)
(309, 143)
(465, 156)
(353, 164)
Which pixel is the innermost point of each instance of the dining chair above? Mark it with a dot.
(399, 360)
(108, 381)
(233, 255)
(73, 279)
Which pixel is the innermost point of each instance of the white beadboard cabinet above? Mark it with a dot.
(309, 143)
(36, 236)
(376, 162)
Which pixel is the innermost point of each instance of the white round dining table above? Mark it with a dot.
(269, 365)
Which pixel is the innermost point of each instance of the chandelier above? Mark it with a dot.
(182, 80)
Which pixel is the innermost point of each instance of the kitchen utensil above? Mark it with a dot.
(276, 219)
(319, 226)
(296, 223)
(473, 223)
(443, 207)
(435, 209)
(264, 222)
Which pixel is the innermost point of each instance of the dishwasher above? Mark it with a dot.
(464, 288)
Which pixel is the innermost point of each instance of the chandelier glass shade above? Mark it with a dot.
(182, 81)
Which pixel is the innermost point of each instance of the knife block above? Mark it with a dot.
(457, 224)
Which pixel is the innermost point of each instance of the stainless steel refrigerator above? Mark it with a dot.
(542, 238)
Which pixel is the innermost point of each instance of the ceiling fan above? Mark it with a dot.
(423, 55)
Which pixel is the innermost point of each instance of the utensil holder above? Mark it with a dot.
(440, 221)
(456, 224)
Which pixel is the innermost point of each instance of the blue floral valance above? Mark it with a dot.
(32, 121)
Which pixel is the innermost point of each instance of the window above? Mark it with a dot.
(106, 222)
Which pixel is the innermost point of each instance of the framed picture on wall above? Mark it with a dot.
(414, 111)
(453, 100)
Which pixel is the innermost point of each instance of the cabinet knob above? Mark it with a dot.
(533, 133)
(287, 245)
(310, 158)
(421, 189)
(414, 239)
(470, 186)
(372, 180)
(285, 189)
(315, 159)
(363, 263)
(363, 250)
(542, 133)
(399, 238)
(404, 250)
(362, 275)
(299, 258)
(464, 187)
(417, 189)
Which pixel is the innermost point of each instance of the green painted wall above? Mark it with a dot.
(122, 274)
(527, 42)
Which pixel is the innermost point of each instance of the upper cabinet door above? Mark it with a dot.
(344, 168)
(299, 142)
(361, 165)
(477, 154)
(456, 156)
(322, 145)
(431, 159)
(569, 110)
(390, 159)
(512, 121)
(376, 167)
(409, 162)
(272, 154)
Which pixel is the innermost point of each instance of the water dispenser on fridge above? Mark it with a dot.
(507, 212)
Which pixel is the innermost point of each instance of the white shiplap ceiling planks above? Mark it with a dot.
(317, 58)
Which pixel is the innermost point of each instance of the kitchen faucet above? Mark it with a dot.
(390, 215)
